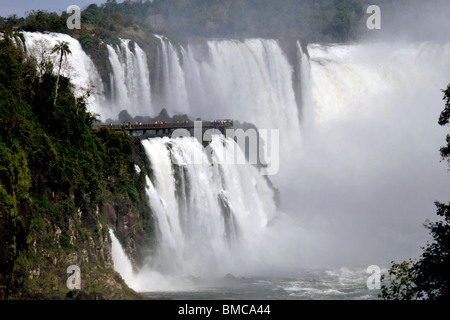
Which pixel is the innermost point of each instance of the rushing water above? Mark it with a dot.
(130, 82)
(301, 284)
(359, 168)
(212, 217)
(78, 66)
(371, 169)
(312, 284)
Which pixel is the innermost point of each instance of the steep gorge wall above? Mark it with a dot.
(56, 175)
(47, 235)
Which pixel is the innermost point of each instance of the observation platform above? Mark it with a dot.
(162, 128)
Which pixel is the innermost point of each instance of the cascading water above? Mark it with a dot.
(361, 189)
(173, 94)
(121, 262)
(130, 80)
(307, 106)
(250, 81)
(79, 67)
(211, 216)
(372, 170)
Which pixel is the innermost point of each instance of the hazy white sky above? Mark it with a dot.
(20, 7)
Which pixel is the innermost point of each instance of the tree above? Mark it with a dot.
(433, 268)
(429, 276)
(402, 286)
(62, 49)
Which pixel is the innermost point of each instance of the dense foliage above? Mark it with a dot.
(316, 20)
(427, 277)
(55, 175)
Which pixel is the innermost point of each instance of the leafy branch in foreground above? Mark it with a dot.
(401, 282)
(429, 276)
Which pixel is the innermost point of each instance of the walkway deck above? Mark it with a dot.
(166, 129)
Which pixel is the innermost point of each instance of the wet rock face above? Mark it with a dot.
(33, 264)
(111, 216)
(122, 220)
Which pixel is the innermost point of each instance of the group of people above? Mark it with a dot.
(222, 121)
(127, 124)
(139, 124)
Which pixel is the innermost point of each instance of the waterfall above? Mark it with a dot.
(121, 262)
(173, 95)
(371, 169)
(344, 77)
(248, 80)
(372, 157)
(305, 91)
(130, 80)
(79, 67)
(212, 217)
(366, 182)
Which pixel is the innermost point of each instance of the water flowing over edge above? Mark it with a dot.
(344, 87)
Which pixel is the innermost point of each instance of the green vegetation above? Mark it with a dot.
(315, 20)
(56, 174)
(231, 18)
(427, 277)
(38, 20)
(62, 49)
